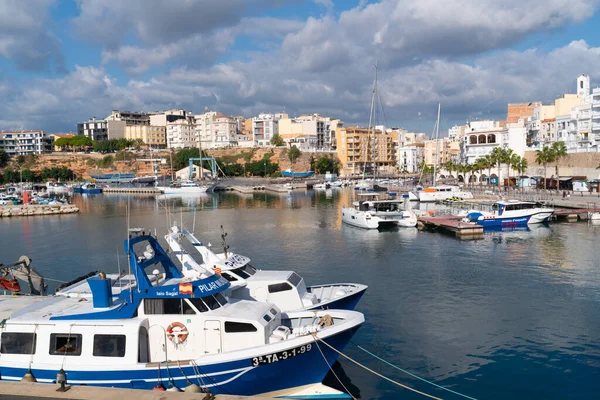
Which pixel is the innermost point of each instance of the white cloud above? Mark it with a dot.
(25, 39)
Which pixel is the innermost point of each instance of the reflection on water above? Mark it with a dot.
(514, 315)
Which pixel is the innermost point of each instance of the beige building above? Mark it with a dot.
(181, 134)
(152, 136)
(356, 152)
(446, 150)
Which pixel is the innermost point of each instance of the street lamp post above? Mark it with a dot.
(265, 164)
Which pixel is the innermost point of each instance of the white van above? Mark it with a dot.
(580, 186)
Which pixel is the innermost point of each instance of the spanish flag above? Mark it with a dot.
(186, 288)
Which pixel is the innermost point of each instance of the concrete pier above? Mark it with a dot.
(26, 391)
(34, 210)
(143, 190)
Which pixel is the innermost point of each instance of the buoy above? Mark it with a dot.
(28, 377)
(193, 388)
(173, 388)
(159, 386)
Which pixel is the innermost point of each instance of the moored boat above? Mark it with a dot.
(90, 188)
(286, 289)
(372, 213)
(510, 214)
(146, 328)
(442, 192)
(186, 187)
(288, 173)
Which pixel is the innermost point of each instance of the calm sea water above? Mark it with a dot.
(515, 315)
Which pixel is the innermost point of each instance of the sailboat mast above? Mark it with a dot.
(370, 121)
(437, 134)
(373, 152)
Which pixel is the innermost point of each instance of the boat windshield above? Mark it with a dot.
(245, 272)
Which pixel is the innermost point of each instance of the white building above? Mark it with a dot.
(596, 117)
(25, 143)
(483, 136)
(410, 157)
(162, 118)
(129, 117)
(100, 130)
(181, 134)
(264, 127)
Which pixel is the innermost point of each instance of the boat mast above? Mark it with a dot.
(370, 121)
(437, 133)
(374, 153)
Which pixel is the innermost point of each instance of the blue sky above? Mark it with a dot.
(65, 61)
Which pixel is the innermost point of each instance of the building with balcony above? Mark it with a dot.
(153, 136)
(264, 127)
(596, 116)
(410, 157)
(302, 129)
(25, 143)
(129, 117)
(100, 130)
(484, 136)
(162, 118)
(359, 152)
(181, 134)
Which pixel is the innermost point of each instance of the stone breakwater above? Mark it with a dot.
(31, 210)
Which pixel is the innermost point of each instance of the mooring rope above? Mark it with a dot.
(413, 375)
(375, 372)
(331, 368)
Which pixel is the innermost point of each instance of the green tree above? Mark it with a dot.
(513, 160)
(520, 166)
(489, 162)
(28, 175)
(559, 150)
(544, 157)
(3, 159)
(480, 165)
(277, 140)
(293, 154)
(324, 164)
(138, 143)
(506, 159)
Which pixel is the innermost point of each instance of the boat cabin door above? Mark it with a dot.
(212, 337)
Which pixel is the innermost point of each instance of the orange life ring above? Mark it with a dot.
(177, 332)
(217, 270)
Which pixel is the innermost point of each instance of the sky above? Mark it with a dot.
(63, 62)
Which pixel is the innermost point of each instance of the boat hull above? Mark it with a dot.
(288, 174)
(91, 191)
(245, 376)
(348, 302)
(440, 196)
(191, 190)
(539, 217)
(374, 220)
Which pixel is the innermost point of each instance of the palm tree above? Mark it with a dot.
(560, 151)
(512, 158)
(544, 157)
(480, 165)
(520, 166)
(489, 162)
(449, 166)
(499, 155)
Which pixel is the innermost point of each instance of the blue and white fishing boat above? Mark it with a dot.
(116, 177)
(90, 188)
(286, 289)
(288, 173)
(155, 326)
(510, 214)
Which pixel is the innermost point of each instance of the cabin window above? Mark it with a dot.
(65, 344)
(199, 304)
(245, 272)
(279, 287)
(273, 311)
(109, 345)
(229, 277)
(267, 317)
(238, 327)
(294, 279)
(18, 343)
(211, 302)
(167, 306)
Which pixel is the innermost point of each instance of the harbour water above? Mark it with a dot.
(514, 315)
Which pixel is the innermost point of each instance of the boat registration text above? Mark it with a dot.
(282, 355)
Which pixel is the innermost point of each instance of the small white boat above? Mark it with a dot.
(442, 192)
(58, 188)
(186, 187)
(594, 216)
(373, 213)
(322, 186)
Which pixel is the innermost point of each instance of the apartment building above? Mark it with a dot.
(264, 127)
(152, 136)
(359, 151)
(25, 142)
(181, 134)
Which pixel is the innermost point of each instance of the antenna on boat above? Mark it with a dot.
(225, 246)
